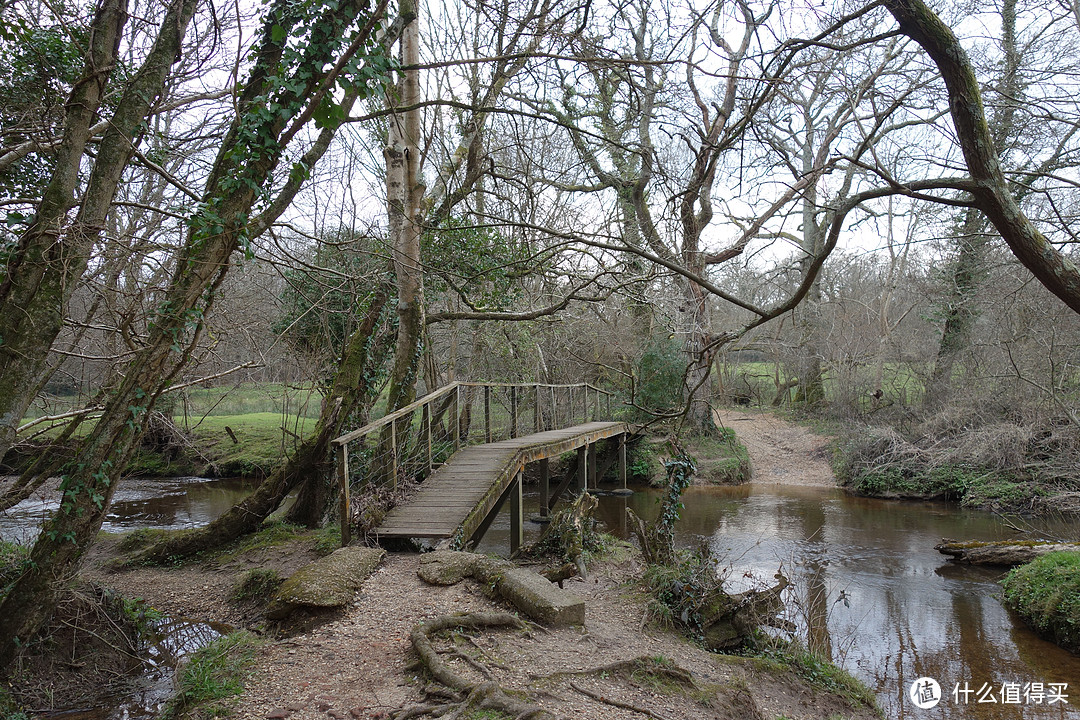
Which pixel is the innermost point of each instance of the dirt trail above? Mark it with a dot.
(781, 452)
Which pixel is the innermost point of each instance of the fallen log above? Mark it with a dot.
(1005, 552)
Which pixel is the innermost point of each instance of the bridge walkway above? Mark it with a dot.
(458, 502)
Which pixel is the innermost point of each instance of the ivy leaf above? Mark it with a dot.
(328, 115)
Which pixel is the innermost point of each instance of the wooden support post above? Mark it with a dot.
(517, 518)
(343, 484)
(536, 409)
(425, 427)
(487, 413)
(455, 408)
(592, 467)
(571, 410)
(393, 454)
(585, 405)
(607, 401)
(622, 461)
(596, 406)
(545, 489)
(513, 411)
(583, 468)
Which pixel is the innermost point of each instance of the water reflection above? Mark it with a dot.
(168, 503)
(909, 613)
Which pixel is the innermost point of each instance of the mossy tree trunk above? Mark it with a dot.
(249, 152)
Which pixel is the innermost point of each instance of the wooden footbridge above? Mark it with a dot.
(464, 486)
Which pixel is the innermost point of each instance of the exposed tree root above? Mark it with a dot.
(641, 663)
(463, 694)
(618, 703)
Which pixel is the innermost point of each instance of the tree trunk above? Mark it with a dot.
(967, 274)
(992, 195)
(405, 190)
(31, 298)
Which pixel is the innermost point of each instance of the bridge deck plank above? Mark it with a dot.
(465, 489)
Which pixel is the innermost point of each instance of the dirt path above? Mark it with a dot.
(781, 452)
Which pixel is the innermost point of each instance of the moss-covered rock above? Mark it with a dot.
(526, 590)
(329, 582)
(1046, 594)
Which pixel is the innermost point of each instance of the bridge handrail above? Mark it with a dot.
(442, 392)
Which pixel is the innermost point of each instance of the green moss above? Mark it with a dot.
(327, 539)
(214, 677)
(1046, 594)
(143, 537)
(254, 585)
(271, 534)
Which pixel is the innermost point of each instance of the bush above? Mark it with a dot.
(660, 374)
(1046, 594)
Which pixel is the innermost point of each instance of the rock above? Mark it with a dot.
(538, 598)
(277, 714)
(449, 567)
(528, 591)
(329, 582)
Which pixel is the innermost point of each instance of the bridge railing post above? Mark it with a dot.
(393, 454)
(345, 512)
(487, 413)
(425, 428)
(553, 420)
(455, 408)
(513, 411)
(536, 408)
